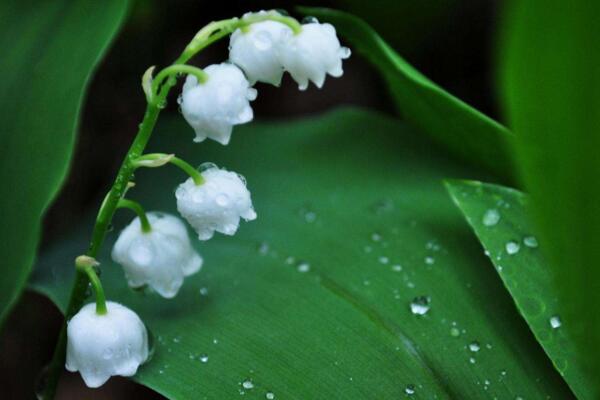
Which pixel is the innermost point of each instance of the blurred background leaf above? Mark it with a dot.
(49, 51)
(457, 126)
(551, 82)
(500, 218)
(313, 299)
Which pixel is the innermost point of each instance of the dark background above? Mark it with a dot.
(450, 41)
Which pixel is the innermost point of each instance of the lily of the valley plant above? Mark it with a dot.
(105, 339)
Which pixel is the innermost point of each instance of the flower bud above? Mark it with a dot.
(217, 204)
(213, 107)
(255, 51)
(313, 53)
(160, 258)
(100, 346)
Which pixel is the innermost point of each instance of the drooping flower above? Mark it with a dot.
(160, 258)
(213, 107)
(217, 204)
(256, 51)
(101, 346)
(312, 53)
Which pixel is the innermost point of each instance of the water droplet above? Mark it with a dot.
(491, 217)
(269, 395)
(555, 322)
(368, 249)
(215, 341)
(376, 237)
(472, 360)
(222, 200)
(420, 305)
(310, 216)
(203, 291)
(203, 358)
(474, 346)
(454, 332)
(409, 390)
(397, 267)
(290, 260)
(263, 248)
(383, 260)
(429, 260)
(309, 20)
(247, 384)
(206, 166)
(530, 241)
(512, 247)
(177, 339)
(303, 266)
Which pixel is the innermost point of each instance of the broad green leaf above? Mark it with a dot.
(312, 300)
(449, 121)
(500, 218)
(49, 49)
(551, 82)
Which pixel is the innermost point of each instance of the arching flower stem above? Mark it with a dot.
(160, 159)
(86, 265)
(139, 210)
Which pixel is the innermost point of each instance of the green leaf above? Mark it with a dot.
(551, 84)
(357, 197)
(449, 121)
(49, 51)
(500, 218)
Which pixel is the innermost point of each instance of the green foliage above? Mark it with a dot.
(49, 51)
(499, 217)
(551, 81)
(450, 122)
(372, 225)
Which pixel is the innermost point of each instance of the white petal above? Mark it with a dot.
(156, 258)
(217, 204)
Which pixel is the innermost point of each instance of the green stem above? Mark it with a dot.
(175, 70)
(178, 162)
(139, 210)
(86, 265)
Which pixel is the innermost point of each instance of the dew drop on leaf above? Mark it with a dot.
(512, 247)
(409, 390)
(555, 322)
(247, 384)
(474, 346)
(530, 241)
(491, 217)
(420, 305)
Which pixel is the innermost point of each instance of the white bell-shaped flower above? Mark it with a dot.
(213, 107)
(160, 258)
(100, 346)
(256, 51)
(313, 53)
(217, 204)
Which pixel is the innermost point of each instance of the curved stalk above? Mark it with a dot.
(139, 210)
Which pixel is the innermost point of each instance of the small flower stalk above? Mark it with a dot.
(101, 346)
(105, 338)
